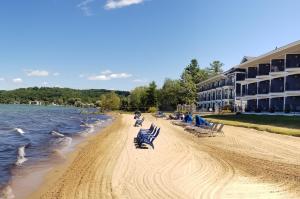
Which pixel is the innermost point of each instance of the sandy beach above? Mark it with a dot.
(245, 163)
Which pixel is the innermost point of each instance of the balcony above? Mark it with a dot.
(264, 87)
(240, 76)
(252, 72)
(263, 69)
(292, 62)
(252, 89)
(238, 90)
(277, 85)
(263, 105)
(292, 104)
(277, 104)
(244, 90)
(292, 83)
(251, 105)
(277, 65)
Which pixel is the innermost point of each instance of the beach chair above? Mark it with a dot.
(200, 131)
(219, 130)
(139, 122)
(150, 132)
(148, 139)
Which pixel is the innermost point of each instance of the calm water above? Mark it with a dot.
(30, 133)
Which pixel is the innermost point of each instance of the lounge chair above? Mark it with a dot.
(139, 122)
(219, 130)
(148, 139)
(209, 130)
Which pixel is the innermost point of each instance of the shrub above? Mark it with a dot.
(152, 109)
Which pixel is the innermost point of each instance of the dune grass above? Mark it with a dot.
(287, 125)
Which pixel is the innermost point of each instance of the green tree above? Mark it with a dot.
(137, 98)
(215, 68)
(152, 98)
(110, 101)
(169, 95)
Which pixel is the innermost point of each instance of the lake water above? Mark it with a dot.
(30, 134)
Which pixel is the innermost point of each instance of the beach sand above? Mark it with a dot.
(244, 164)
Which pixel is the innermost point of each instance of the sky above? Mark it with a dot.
(122, 44)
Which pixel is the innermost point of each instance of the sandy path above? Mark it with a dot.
(243, 164)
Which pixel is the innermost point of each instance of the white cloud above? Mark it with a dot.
(99, 77)
(114, 4)
(106, 72)
(37, 73)
(2, 79)
(17, 80)
(108, 75)
(84, 7)
(56, 74)
(140, 80)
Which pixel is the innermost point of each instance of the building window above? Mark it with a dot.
(252, 72)
(240, 76)
(292, 60)
(238, 89)
(277, 104)
(277, 65)
(263, 105)
(263, 69)
(252, 89)
(292, 104)
(277, 85)
(263, 87)
(251, 105)
(292, 82)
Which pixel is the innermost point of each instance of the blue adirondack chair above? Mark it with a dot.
(148, 139)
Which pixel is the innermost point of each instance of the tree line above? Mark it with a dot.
(143, 98)
(59, 96)
(173, 91)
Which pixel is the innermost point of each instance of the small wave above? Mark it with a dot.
(62, 141)
(56, 134)
(6, 193)
(19, 130)
(21, 156)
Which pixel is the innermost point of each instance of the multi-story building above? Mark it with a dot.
(267, 83)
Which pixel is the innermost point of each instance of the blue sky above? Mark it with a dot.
(121, 44)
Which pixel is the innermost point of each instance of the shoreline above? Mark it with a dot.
(244, 164)
(56, 172)
(36, 172)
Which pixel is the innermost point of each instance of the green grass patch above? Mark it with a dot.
(287, 125)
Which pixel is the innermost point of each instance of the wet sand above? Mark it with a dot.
(244, 164)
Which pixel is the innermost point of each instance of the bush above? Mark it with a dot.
(152, 109)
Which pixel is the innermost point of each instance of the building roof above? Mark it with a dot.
(246, 58)
(216, 77)
(277, 52)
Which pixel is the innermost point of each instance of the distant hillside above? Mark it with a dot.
(58, 96)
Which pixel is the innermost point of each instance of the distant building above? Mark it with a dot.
(267, 83)
(38, 103)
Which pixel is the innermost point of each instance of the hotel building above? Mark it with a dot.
(267, 83)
